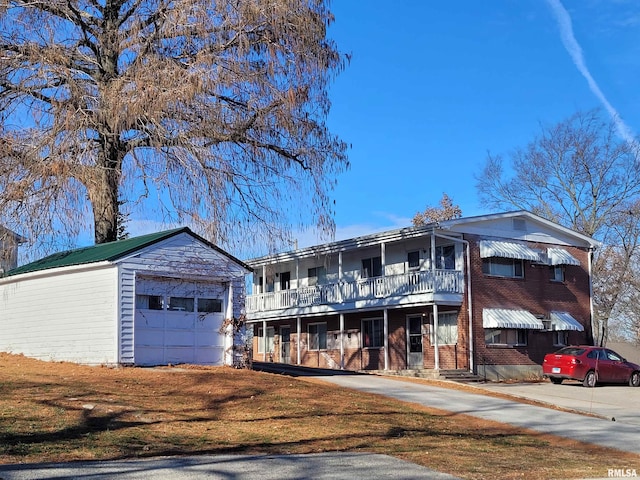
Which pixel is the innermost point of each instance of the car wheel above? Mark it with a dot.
(634, 379)
(590, 379)
(556, 380)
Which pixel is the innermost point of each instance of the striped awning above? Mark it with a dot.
(559, 256)
(503, 318)
(494, 248)
(564, 321)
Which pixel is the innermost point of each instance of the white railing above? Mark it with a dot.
(427, 281)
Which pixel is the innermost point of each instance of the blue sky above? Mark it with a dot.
(433, 86)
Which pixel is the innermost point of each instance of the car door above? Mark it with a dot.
(619, 370)
(604, 367)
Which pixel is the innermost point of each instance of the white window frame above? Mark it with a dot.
(271, 334)
(494, 266)
(447, 330)
(410, 267)
(311, 346)
(379, 332)
(508, 337)
(560, 338)
(316, 276)
(557, 273)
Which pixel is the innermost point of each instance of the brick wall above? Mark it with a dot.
(536, 293)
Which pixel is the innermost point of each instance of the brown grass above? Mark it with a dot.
(61, 412)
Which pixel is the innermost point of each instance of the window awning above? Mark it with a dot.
(564, 321)
(503, 318)
(559, 256)
(494, 248)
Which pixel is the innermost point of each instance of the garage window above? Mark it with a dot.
(149, 302)
(181, 304)
(209, 305)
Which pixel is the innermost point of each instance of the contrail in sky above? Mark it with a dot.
(573, 48)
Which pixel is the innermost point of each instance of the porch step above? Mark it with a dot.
(460, 375)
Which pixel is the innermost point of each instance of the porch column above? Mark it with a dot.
(340, 285)
(436, 353)
(342, 341)
(298, 328)
(263, 290)
(386, 339)
(383, 259)
(264, 339)
(229, 337)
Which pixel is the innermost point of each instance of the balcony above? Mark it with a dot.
(420, 287)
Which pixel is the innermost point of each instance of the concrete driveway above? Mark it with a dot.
(618, 402)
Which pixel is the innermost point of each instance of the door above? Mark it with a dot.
(285, 344)
(415, 359)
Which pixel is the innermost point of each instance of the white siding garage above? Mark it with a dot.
(152, 300)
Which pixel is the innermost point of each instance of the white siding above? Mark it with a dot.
(61, 316)
(181, 265)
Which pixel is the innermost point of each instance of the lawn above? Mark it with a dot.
(53, 411)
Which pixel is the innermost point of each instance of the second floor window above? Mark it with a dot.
(503, 267)
(371, 267)
(316, 276)
(413, 260)
(556, 273)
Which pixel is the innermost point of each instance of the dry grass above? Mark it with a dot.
(61, 411)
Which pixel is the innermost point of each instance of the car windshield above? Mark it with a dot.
(573, 351)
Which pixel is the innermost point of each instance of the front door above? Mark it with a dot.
(285, 344)
(415, 357)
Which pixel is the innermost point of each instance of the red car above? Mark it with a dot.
(590, 365)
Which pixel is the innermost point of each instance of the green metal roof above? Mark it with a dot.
(98, 253)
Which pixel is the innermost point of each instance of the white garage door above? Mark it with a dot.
(171, 330)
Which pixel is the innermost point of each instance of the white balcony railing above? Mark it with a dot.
(427, 281)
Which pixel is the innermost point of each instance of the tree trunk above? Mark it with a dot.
(104, 201)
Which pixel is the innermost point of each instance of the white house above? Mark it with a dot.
(151, 300)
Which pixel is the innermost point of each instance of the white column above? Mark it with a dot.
(264, 339)
(342, 341)
(298, 328)
(229, 336)
(436, 353)
(386, 339)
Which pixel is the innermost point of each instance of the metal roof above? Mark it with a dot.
(503, 318)
(109, 252)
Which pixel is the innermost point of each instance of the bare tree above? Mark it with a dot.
(213, 111)
(580, 174)
(446, 211)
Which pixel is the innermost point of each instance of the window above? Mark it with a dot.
(413, 260)
(372, 267)
(556, 273)
(270, 337)
(149, 302)
(285, 280)
(447, 329)
(317, 333)
(503, 267)
(209, 305)
(316, 276)
(372, 333)
(445, 257)
(181, 304)
(560, 338)
(505, 336)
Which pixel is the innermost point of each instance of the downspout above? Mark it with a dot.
(591, 309)
(469, 306)
(436, 352)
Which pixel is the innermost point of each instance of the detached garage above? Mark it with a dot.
(152, 300)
